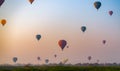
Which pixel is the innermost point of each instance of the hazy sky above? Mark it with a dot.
(56, 20)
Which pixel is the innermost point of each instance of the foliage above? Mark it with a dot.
(60, 68)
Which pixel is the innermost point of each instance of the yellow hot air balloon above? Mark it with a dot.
(64, 61)
(31, 1)
(3, 22)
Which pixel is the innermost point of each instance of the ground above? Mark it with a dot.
(59, 68)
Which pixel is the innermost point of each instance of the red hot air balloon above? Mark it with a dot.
(110, 13)
(62, 43)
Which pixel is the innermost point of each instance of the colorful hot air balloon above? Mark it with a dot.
(104, 41)
(62, 43)
(31, 1)
(3, 22)
(83, 28)
(38, 36)
(97, 4)
(15, 59)
(1, 2)
(110, 13)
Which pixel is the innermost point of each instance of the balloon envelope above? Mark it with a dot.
(97, 4)
(89, 57)
(55, 55)
(110, 13)
(64, 61)
(38, 58)
(62, 43)
(83, 28)
(31, 1)
(104, 41)
(1, 2)
(38, 37)
(98, 61)
(46, 60)
(15, 59)
(3, 22)
(67, 46)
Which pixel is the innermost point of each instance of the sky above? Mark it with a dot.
(56, 20)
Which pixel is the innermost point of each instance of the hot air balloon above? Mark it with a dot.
(38, 58)
(110, 13)
(15, 59)
(65, 61)
(67, 46)
(46, 60)
(83, 28)
(97, 4)
(98, 61)
(62, 43)
(1, 2)
(3, 22)
(89, 58)
(38, 36)
(104, 41)
(55, 55)
(31, 1)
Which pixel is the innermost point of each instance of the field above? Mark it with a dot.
(59, 68)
